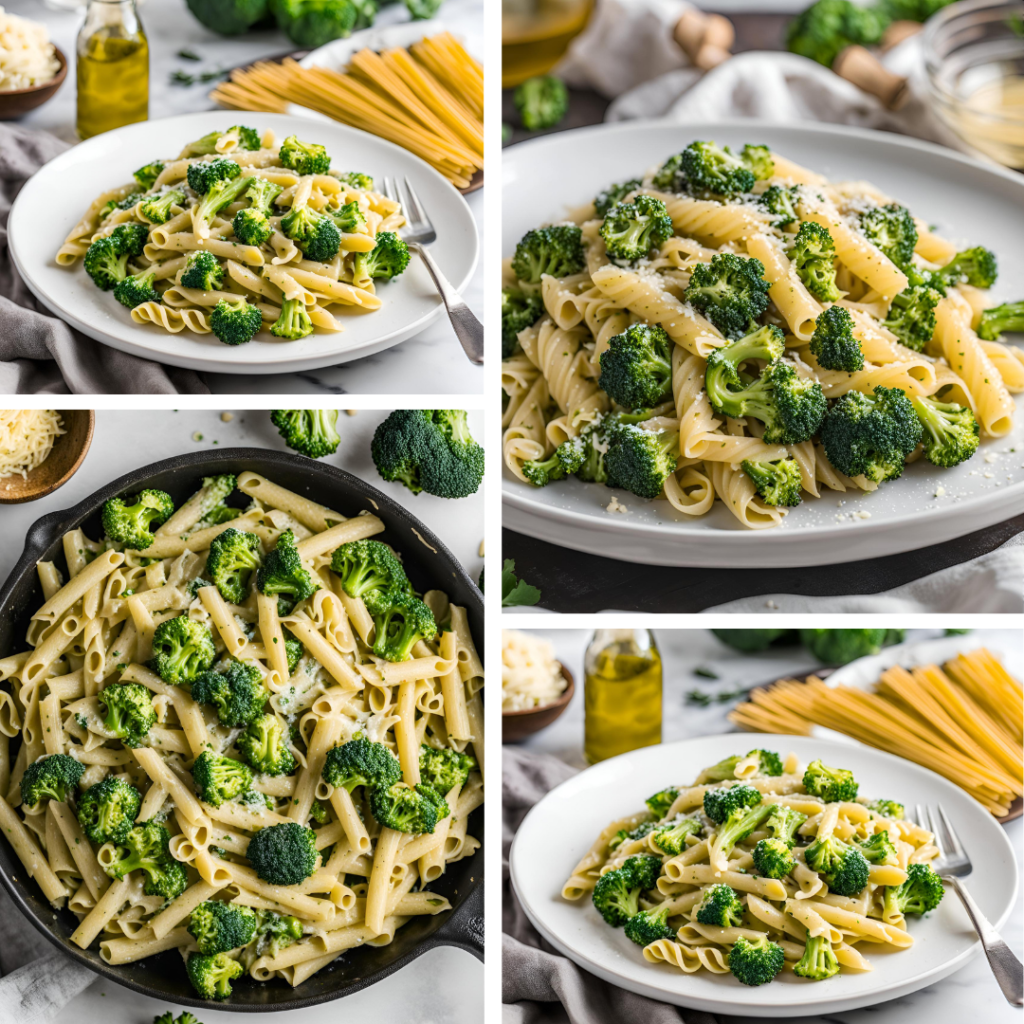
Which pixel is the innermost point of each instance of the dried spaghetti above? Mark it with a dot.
(427, 99)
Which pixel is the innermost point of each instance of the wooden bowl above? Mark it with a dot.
(61, 464)
(18, 102)
(517, 725)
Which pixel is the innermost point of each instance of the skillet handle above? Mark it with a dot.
(465, 928)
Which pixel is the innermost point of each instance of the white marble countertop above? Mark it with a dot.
(433, 361)
(971, 993)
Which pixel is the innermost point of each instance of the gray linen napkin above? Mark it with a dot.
(39, 353)
(538, 984)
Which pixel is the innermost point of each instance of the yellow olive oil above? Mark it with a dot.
(622, 693)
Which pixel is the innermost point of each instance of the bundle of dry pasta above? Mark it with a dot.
(427, 99)
(962, 721)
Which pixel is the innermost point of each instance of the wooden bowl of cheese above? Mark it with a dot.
(41, 450)
(32, 69)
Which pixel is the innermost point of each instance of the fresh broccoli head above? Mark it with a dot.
(887, 809)
(444, 768)
(360, 762)
(783, 822)
(892, 229)
(310, 432)
(813, 255)
(976, 266)
(831, 784)
(780, 203)
(879, 849)
(129, 712)
(313, 23)
(720, 906)
(542, 102)
(730, 291)
(777, 483)
(252, 225)
(107, 811)
(106, 260)
(147, 174)
(631, 230)
(1007, 317)
(211, 976)
(768, 763)
(871, 435)
(648, 926)
(182, 649)
(220, 927)
(369, 570)
(386, 260)
(146, 848)
(228, 17)
(283, 573)
(636, 368)
(157, 209)
(921, 892)
(911, 316)
(220, 779)
(819, 960)
(772, 858)
(399, 625)
(613, 194)
(617, 893)
(238, 694)
(829, 26)
(556, 251)
(348, 219)
(843, 867)
(129, 524)
(670, 836)
(264, 745)
(202, 271)
(660, 803)
(55, 777)
(234, 556)
(720, 803)
(304, 157)
(713, 168)
(204, 174)
(840, 646)
(950, 431)
(641, 460)
(518, 311)
(833, 343)
(408, 809)
(235, 322)
(314, 233)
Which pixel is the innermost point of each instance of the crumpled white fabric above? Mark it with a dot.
(37, 992)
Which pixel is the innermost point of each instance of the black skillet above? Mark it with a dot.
(163, 976)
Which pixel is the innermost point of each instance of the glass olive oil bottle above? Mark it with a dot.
(622, 693)
(113, 68)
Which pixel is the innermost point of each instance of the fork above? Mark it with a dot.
(952, 862)
(419, 233)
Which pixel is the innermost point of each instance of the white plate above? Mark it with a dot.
(969, 202)
(559, 830)
(38, 226)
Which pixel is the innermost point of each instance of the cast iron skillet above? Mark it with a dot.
(163, 976)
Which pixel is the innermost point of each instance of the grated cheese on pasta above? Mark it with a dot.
(530, 675)
(26, 53)
(26, 439)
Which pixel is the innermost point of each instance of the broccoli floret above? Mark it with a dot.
(631, 230)
(234, 556)
(660, 802)
(759, 160)
(293, 650)
(182, 649)
(388, 258)
(911, 316)
(769, 763)
(750, 640)
(235, 323)
(147, 174)
(311, 432)
(831, 784)
(887, 809)
(247, 138)
(844, 867)
(146, 848)
(772, 858)
(313, 23)
(264, 744)
(670, 837)
(429, 450)
(648, 926)
(107, 810)
(238, 694)
(129, 712)
(643, 870)
(54, 777)
(720, 906)
(722, 802)
(228, 17)
(755, 961)
(220, 194)
(211, 976)
(777, 483)
(204, 174)
(741, 820)
(106, 260)
(879, 849)
(518, 311)
(643, 829)
(279, 930)
(636, 368)
(541, 472)
(444, 768)
(828, 26)
(871, 435)
(730, 291)
(670, 176)
(892, 229)
(220, 779)
(921, 892)
(976, 266)
(399, 625)
(282, 572)
(780, 203)
(314, 233)
(215, 491)
(1007, 317)
(304, 157)
(839, 646)
(406, 809)
(641, 460)
(294, 321)
(950, 431)
(129, 524)
(813, 255)
(252, 225)
(157, 209)
(361, 763)
(783, 823)
(137, 289)
(819, 960)
(555, 250)
(357, 180)
(833, 343)
(202, 271)
(220, 927)
(617, 893)
(542, 102)
(716, 169)
(349, 218)
(613, 194)
(369, 570)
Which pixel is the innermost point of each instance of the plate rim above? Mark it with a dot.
(728, 1005)
(208, 363)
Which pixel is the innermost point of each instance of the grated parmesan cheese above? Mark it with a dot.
(26, 439)
(26, 53)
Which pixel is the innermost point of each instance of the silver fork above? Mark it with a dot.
(419, 233)
(952, 862)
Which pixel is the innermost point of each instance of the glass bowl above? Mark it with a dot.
(974, 62)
